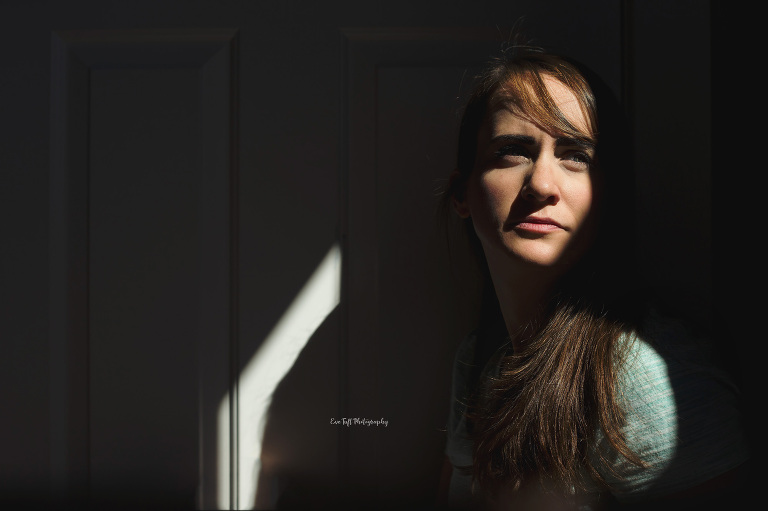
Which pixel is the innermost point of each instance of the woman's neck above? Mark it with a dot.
(523, 293)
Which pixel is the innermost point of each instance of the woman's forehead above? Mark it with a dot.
(504, 102)
(567, 102)
(508, 120)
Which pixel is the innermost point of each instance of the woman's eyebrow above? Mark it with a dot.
(519, 139)
(528, 140)
(569, 141)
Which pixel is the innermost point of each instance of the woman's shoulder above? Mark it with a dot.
(664, 359)
(682, 413)
(465, 351)
(476, 350)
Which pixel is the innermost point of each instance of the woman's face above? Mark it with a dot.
(530, 194)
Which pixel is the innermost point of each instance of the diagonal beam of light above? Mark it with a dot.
(267, 368)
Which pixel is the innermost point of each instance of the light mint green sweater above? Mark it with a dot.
(682, 416)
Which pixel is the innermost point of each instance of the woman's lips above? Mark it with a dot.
(537, 224)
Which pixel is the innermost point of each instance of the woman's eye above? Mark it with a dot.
(511, 150)
(579, 158)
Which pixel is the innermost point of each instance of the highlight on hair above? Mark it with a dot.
(538, 420)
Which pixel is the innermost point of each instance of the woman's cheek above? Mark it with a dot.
(495, 186)
(491, 201)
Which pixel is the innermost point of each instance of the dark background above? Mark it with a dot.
(173, 172)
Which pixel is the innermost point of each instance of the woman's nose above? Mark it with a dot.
(540, 184)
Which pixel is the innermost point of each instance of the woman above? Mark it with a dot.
(574, 392)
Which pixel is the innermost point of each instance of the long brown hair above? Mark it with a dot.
(541, 416)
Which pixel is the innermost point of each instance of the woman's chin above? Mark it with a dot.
(538, 258)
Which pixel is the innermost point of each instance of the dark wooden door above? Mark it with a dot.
(219, 234)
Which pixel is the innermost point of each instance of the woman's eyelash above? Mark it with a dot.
(516, 150)
(510, 150)
(581, 157)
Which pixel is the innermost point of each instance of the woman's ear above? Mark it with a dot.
(458, 194)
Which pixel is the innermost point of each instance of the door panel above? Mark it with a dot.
(143, 245)
(142, 209)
